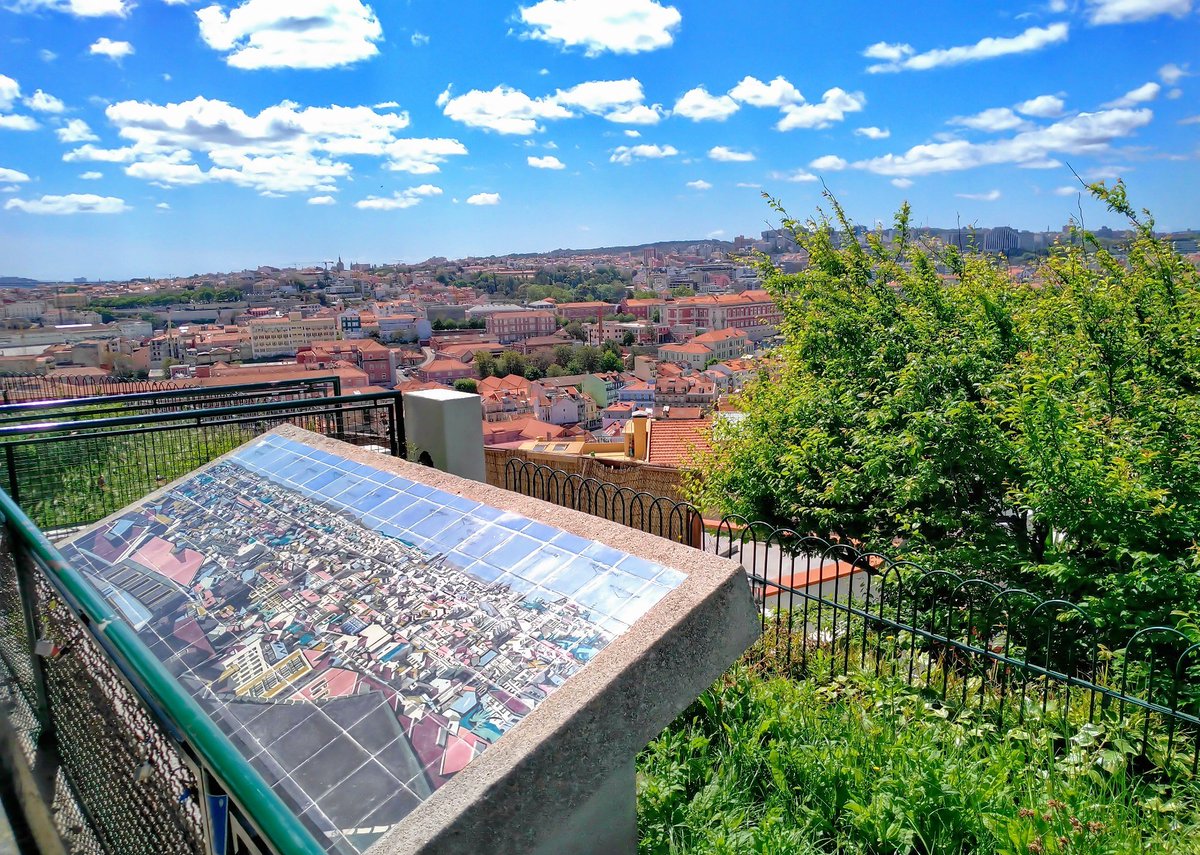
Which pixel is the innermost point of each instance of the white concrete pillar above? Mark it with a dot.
(447, 426)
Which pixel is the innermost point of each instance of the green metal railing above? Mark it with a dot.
(176, 759)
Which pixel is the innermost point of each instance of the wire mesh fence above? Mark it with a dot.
(71, 473)
(17, 387)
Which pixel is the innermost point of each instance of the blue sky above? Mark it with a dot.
(164, 137)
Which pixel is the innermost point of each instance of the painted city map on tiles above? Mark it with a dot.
(361, 637)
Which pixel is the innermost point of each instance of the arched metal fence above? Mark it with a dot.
(829, 608)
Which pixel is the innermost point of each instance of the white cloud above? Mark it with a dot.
(504, 110)
(386, 105)
(616, 100)
(716, 233)
(778, 93)
(902, 57)
(1085, 133)
(798, 176)
(698, 105)
(322, 200)
(419, 156)
(91, 176)
(47, 55)
(78, 8)
(632, 133)
(1175, 93)
(12, 176)
(76, 130)
(42, 102)
(18, 123)
(163, 206)
(873, 133)
(284, 148)
(1145, 92)
(1126, 11)
(637, 114)
(626, 155)
(748, 184)
(292, 34)
(1171, 73)
(992, 120)
(834, 106)
(400, 199)
(419, 39)
(116, 51)
(1043, 107)
(72, 203)
(619, 26)
(989, 196)
(829, 163)
(699, 184)
(547, 162)
(484, 199)
(902, 183)
(1067, 191)
(10, 91)
(729, 155)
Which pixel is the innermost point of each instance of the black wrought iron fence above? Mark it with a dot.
(15, 387)
(70, 473)
(187, 398)
(829, 609)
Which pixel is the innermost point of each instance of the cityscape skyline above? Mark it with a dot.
(158, 138)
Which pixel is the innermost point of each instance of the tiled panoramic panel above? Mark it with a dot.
(361, 637)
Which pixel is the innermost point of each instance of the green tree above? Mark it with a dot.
(1044, 435)
(629, 339)
(485, 364)
(683, 291)
(611, 362)
(466, 385)
(575, 330)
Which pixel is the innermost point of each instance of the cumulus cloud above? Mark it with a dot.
(163, 206)
(75, 131)
(833, 107)
(1171, 73)
(484, 199)
(1085, 133)
(1042, 107)
(1145, 92)
(10, 91)
(18, 123)
(284, 148)
(510, 111)
(829, 163)
(729, 155)
(72, 203)
(1067, 191)
(903, 57)
(91, 176)
(596, 26)
(78, 8)
(873, 133)
(777, 93)
(400, 199)
(632, 133)
(322, 200)
(798, 176)
(116, 51)
(699, 184)
(698, 105)
(293, 34)
(12, 176)
(993, 120)
(547, 162)
(989, 196)
(625, 154)
(902, 183)
(1127, 11)
(41, 102)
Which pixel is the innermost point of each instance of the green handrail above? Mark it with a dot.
(274, 821)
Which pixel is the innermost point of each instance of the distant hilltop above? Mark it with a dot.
(17, 282)
(667, 246)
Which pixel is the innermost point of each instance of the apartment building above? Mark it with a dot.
(284, 336)
(727, 343)
(510, 327)
(753, 312)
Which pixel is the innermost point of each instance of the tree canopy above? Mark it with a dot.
(1044, 434)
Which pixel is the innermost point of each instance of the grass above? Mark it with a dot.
(865, 765)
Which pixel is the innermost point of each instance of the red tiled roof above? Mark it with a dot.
(678, 443)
